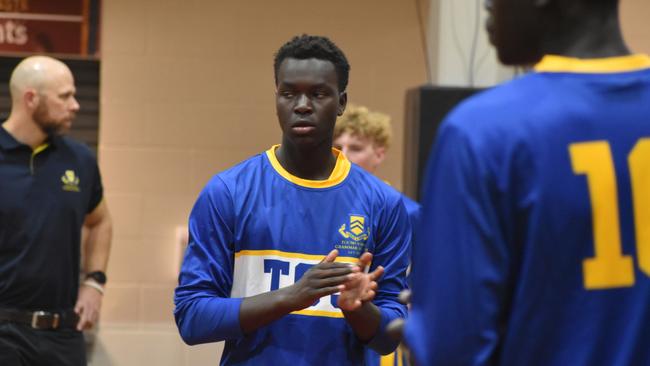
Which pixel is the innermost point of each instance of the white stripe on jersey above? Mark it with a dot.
(255, 270)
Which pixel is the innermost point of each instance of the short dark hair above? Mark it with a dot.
(322, 48)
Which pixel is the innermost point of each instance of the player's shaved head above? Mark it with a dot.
(35, 72)
(525, 30)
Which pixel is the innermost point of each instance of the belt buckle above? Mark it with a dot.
(38, 315)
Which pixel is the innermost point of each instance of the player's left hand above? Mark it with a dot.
(361, 287)
(88, 304)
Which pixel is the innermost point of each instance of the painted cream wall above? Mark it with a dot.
(464, 56)
(186, 91)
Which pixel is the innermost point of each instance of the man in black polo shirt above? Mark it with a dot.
(50, 188)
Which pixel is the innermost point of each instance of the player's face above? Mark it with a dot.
(360, 150)
(515, 28)
(57, 105)
(308, 101)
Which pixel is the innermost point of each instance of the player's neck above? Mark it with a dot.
(586, 38)
(312, 163)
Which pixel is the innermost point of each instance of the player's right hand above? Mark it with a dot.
(325, 278)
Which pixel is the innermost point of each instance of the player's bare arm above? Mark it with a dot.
(323, 279)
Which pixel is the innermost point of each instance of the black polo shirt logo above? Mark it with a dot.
(70, 181)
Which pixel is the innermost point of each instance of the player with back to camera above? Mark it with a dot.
(278, 243)
(534, 246)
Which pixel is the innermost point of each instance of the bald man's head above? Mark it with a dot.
(35, 73)
(43, 93)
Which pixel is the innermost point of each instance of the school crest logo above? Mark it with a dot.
(355, 230)
(354, 235)
(70, 181)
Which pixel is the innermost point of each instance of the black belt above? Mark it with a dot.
(41, 319)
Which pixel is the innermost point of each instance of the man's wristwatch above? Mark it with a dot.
(97, 276)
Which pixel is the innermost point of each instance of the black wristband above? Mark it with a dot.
(98, 276)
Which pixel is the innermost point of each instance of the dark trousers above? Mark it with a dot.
(21, 345)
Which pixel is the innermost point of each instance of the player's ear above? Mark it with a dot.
(343, 102)
(380, 154)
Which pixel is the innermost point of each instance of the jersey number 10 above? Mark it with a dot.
(609, 268)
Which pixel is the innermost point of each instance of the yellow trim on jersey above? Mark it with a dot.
(278, 253)
(40, 148)
(393, 359)
(387, 360)
(553, 63)
(339, 173)
(327, 314)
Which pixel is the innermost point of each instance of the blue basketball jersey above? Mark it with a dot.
(534, 243)
(256, 228)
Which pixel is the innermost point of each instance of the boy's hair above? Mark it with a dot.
(359, 121)
(305, 46)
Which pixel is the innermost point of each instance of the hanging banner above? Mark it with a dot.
(47, 26)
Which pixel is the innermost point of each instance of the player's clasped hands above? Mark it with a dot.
(325, 278)
(329, 277)
(361, 286)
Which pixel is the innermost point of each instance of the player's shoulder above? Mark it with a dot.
(499, 118)
(376, 189)
(244, 171)
(412, 207)
(246, 167)
(502, 106)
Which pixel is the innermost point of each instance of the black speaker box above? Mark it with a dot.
(426, 108)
